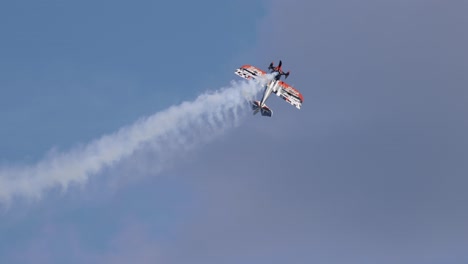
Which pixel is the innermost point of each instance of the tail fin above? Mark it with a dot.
(255, 107)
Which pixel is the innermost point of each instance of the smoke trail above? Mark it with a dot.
(178, 127)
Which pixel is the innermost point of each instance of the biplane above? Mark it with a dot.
(280, 88)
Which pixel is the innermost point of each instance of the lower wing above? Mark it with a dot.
(250, 72)
(289, 94)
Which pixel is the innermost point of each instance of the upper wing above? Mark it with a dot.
(289, 94)
(249, 72)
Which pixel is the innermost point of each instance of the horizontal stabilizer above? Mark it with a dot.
(264, 111)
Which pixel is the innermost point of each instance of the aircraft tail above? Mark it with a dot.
(264, 110)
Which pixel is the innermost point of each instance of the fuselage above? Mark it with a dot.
(270, 87)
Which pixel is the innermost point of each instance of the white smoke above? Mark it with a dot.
(178, 127)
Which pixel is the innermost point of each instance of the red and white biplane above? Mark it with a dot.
(280, 88)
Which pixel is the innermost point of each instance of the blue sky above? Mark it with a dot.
(72, 72)
(65, 61)
(372, 169)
